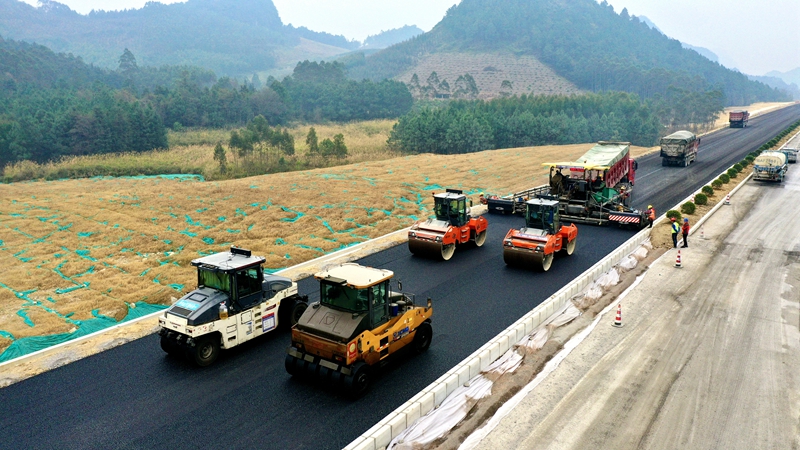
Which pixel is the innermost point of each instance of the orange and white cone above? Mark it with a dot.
(728, 199)
(618, 320)
(678, 259)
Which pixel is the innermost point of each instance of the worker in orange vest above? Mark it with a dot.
(685, 230)
(651, 214)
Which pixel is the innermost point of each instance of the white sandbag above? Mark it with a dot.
(608, 279)
(506, 363)
(640, 253)
(445, 417)
(538, 338)
(628, 263)
(593, 293)
(569, 314)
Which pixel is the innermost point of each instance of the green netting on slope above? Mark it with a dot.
(24, 346)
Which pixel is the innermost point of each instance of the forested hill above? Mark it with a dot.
(586, 42)
(54, 105)
(230, 37)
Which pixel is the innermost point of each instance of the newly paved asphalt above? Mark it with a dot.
(134, 396)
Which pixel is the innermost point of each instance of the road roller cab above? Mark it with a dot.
(357, 324)
(453, 225)
(235, 301)
(535, 245)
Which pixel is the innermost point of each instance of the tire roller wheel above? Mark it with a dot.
(447, 251)
(169, 346)
(206, 351)
(480, 238)
(569, 249)
(547, 261)
(422, 337)
(297, 312)
(358, 382)
(433, 250)
(291, 365)
(527, 260)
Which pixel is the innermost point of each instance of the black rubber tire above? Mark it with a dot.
(205, 351)
(285, 313)
(297, 312)
(291, 365)
(168, 345)
(422, 338)
(359, 380)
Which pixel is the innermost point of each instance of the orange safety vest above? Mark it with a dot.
(651, 214)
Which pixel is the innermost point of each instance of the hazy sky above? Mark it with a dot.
(755, 36)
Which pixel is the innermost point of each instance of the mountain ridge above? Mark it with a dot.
(158, 34)
(587, 43)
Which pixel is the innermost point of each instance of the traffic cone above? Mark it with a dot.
(678, 259)
(618, 320)
(728, 199)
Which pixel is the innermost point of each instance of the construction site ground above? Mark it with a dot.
(707, 355)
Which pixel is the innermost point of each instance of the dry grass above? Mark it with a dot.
(526, 74)
(73, 246)
(192, 152)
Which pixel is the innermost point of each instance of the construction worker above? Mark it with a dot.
(685, 230)
(624, 194)
(482, 199)
(675, 230)
(597, 184)
(557, 183)
(651, 215)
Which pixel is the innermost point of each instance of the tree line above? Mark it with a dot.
(470, 126)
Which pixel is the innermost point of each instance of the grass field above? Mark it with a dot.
(192, 152)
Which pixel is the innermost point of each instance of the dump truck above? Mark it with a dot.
(357, 325)
(597, 188)
(234, 302)
(452, 226)
(679, 148)
(738, 119)
(535, 244)
(770, 166)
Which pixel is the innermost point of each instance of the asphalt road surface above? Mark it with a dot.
(708, 356)
(134, 396)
